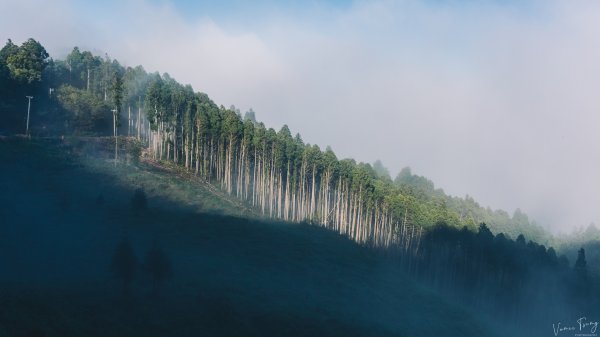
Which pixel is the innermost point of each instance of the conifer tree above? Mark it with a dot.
(581, 265)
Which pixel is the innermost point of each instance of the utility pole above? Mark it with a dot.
(115, 111)
(129, 124)
(28, 109)
(139, 123)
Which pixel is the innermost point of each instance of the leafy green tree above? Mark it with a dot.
(26, 64)
(8, 50)
(381, 170)
(404, 175)
(117, 91)
(250, 115)
(154, 100)
(83, 69)
(86, 113)
(74, 62)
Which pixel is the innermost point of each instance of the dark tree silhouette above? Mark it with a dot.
(124, 263)
(552, 258)
(484, 233)
(581, 265)
(139, 201)
(581, 286)
(496, 273)
(158, 266)
(521, 240)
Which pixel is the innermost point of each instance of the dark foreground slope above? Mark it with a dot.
(59, 226)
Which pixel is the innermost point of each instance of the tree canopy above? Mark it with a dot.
(277, 173)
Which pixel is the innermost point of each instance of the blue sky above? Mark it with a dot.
(247, 9)
(227, 8)
(230, 12)
(495, 99)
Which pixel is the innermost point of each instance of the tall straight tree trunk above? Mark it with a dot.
(129, 124)
(116, 138)
(139, 119)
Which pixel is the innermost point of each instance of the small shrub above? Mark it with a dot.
(135, 150)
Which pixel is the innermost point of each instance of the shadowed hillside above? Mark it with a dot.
(134, 205)
(231, 276)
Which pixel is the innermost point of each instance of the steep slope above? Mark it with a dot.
(274, 171)
(232, 276)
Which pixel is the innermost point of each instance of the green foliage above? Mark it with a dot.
(9, 49)
(25, 63)
(86, 112)
(83, 68)
(381, 170)
(250, 115)
(182, 122)
(135, 150)
(117, 90)
(438, 206)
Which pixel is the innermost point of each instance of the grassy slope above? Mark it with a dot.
(233, 276)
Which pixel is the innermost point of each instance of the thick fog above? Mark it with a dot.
(498, 100)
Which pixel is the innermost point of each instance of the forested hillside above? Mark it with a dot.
(238, 276)
(71, 237)
(112, 139)
(274, 171)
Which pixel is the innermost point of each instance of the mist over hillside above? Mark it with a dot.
(134, 202)
(231, 276)
(77, 96)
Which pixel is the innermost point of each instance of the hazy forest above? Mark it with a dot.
(132, 204)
